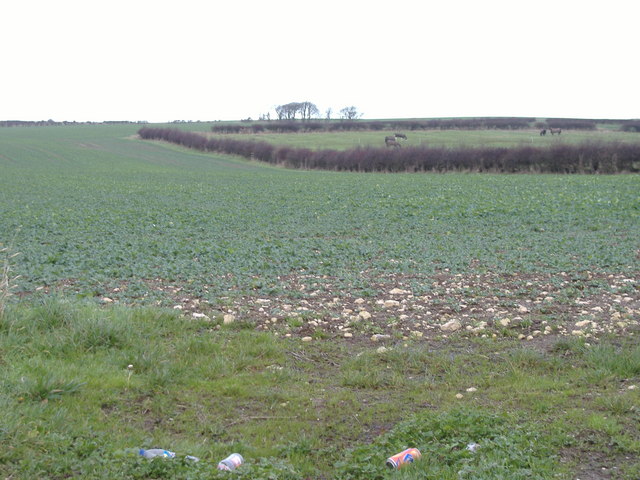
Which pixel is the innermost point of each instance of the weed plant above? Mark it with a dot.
(7, 279)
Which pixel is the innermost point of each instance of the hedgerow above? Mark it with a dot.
(292, 126)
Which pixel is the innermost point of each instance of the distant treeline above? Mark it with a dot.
(53, 123)
(559, 158)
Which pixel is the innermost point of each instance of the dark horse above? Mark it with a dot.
(555, 130)
(391, 142)
(401, 135)
(543, 132)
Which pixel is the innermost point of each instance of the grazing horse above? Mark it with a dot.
(401, 135)
(555, 130)
(543, 132)
(391, 142)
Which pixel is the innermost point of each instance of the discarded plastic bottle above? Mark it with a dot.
(406, 456)
(156, 452)
(472, 447)
(232, 462)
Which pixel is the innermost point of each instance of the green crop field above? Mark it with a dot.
(91, 208)
(316, 322)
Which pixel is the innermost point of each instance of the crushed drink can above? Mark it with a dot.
(232, 462)
(406, 456)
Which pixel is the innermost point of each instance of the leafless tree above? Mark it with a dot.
(290, 111)
(308, 109)
(349, 113)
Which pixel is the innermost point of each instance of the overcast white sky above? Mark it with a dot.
(96, 60)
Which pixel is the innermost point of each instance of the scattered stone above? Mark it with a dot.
(107, 300)
(523, 309)
(459, 396)
(472, 389)
(228, 318)
(391, 303)
(359, 301)
(198, 315)
(504, 322)
(306, 339)
(583, 323)
(364, 315)
(378, 337)
(398, 291)
(451, 326)
(348, 335)
(381, 349)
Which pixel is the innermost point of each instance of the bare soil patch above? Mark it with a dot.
(535, 308)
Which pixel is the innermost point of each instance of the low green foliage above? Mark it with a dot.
(505, 449)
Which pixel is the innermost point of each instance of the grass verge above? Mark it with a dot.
(84, 388)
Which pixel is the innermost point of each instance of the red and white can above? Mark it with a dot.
(406, 456)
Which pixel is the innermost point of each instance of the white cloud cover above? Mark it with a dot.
(208, 60)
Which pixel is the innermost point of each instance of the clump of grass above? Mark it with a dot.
(50, 387)
(569, 346)
(7, 279)
(624, 362)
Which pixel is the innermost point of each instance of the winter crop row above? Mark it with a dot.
(589, 157)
